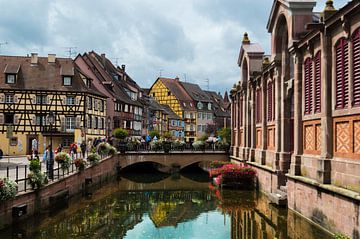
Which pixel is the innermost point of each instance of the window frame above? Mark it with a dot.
(70, 78)
(7, 75)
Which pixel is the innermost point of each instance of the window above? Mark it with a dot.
(9, 98)
(89, 122)
(199, 115)
(270, 101)
(67, 80)
(96, 123)
(126, 109)
(342, 74)
(9, 118)
(200, 105)
(40, 120)
(153, 94)
(258, 105)
(199, 128)
(70, 100)
(102, 123)
(356, 67)
(317, 99)
(208, 116)
(308, 85)
(10, 78)
(101, 106)
(90, 103)
(169, 93)
(70, 123)
(209, 106)
(41, 99)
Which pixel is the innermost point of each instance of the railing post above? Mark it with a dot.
(25, 179)
(17, 173)
(7, 172)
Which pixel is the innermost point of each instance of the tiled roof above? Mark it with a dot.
(179, 92)
(195, 92)
(43, 75)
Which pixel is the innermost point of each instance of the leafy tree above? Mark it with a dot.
(154, 133)
(225, 134)
(120, 133)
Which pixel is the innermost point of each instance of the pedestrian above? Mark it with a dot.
(74, 150)
(1, 154)
(59, 149)
(83, 148)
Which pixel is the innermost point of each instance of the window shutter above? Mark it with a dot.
(342, 74)
(270, 101)
(64, 100)
(356, 67)
(317, 103)
(33, 120)
(33, 99)
(47, 100)
(1, 119)
(62, 123)
(16, 99)
(308, 86)
(78, 121)
(2, 98)
(76, 100)
(16, 119)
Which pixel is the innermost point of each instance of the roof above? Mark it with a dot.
(170, 112)
(174, 86)
(43, 75)
(220, 106)
(196, 92)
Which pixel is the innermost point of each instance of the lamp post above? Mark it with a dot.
(50, 162)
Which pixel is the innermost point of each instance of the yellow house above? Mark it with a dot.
(170, 92)
(34, 88)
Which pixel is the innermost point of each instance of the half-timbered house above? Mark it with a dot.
(31, 88)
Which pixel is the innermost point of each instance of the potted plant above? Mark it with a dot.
(64, 159)
(178, 145)
(8, 189)
(36, 178)
(121, 135)
(156, 145)
(80, 164)
(103, 149)
(199, 145)
(93, 158)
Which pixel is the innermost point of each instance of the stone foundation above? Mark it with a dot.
(333, 208)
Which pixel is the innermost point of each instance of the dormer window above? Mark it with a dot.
(209, 106)
(67, 80)
(10, 78)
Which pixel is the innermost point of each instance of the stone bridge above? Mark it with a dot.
(177, 160)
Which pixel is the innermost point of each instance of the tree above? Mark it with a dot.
(120, 133)
(225, 134)
(154, 133)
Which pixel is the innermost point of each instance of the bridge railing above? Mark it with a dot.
(143, 147)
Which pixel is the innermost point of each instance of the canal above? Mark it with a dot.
(144, 204)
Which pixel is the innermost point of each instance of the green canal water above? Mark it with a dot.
(159, 206)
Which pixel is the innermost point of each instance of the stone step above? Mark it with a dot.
(283, 188)
(278, 198)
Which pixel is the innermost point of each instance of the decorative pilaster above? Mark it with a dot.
(295, 167)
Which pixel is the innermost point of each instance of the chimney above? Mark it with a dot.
(123, 68)
(103, 59)
(51, 58)
(34, 59)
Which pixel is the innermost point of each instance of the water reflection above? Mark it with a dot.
(175, 207)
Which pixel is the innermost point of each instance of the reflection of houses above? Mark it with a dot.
(221, 109)
(170, 92)
(295, 115)
(31, 87)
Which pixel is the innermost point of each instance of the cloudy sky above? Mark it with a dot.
(192, 39)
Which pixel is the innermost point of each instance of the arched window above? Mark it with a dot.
(356, 67)
(317, 98)
(308, 85)
(270, 102)
(342, 73)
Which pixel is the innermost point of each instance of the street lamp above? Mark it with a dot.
(50, 162)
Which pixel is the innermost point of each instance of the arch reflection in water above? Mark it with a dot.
(171, 208)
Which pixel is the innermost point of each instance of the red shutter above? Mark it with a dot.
(308, 86)
(356, 67)
(270, 102)
(317, 100)
(342, 74)
(258, 106)
(241, 111)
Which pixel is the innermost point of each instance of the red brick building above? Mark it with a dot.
(296, 116)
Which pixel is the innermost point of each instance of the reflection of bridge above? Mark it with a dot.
(178, 159)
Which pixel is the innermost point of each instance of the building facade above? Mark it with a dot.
(30, 88)
(295, 113)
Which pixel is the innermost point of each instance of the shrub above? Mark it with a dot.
(120, 133)
(167, 135)
(103, 148)
(233, 172)
(64, 160)
(112, 150)
(156, 145)
(219, 164)
(198, 145)
(178, 145)
(340, 236)
(154, 133)
(93, 158)
(8, 189)
(35, 165)
(80, 164)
